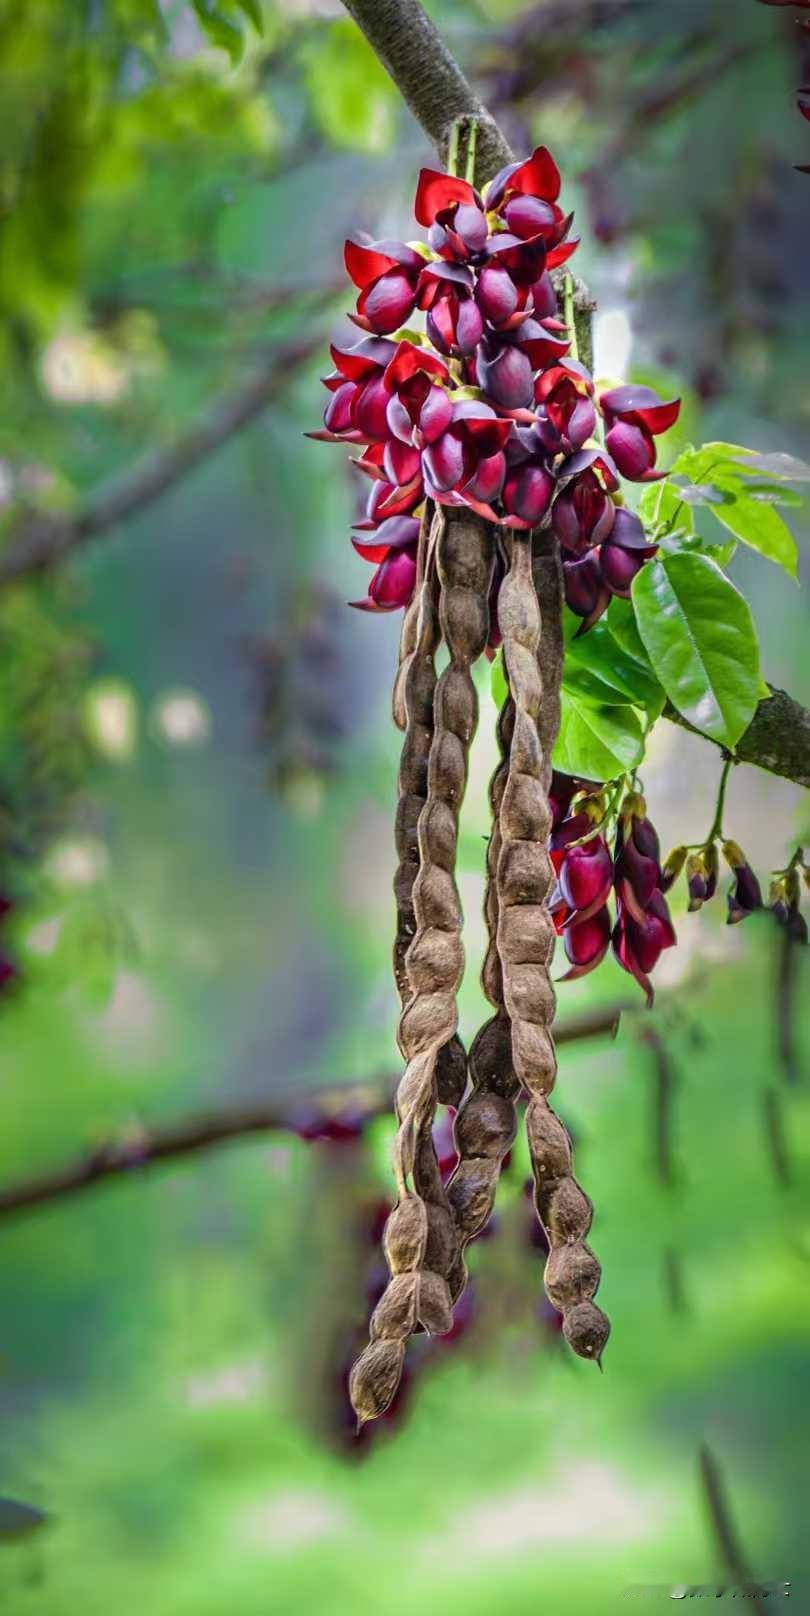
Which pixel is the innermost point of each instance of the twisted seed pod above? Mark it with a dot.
(407, 646)
(486, 1126)
(525, 946)
(487, 1122)
(416, 679)
(421, 1242)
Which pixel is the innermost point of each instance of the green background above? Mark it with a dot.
(198, 765)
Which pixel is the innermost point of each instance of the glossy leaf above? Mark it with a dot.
(702, 643)
(759, 526)
(597, 659)
(597, 742)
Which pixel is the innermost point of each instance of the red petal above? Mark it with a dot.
(435, 192)
(370, 551)
(538, 176)
(562, 253)
(358, 363)
(408, 361)
(366, 264)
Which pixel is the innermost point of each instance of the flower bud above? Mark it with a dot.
(701, 876)
(745, 895)
(672, 866)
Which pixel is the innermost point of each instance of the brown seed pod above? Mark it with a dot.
(525, 940)
(434, 962)
(416, 683)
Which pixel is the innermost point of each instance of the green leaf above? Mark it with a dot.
(760, 527)
(597, 742)
(253, 11)
(701, 641)
(779, 465)
(679, 542)
(220, 29)
(499, 683)
(698, 464)
(352, 97)
(662, 502)
(598, 667)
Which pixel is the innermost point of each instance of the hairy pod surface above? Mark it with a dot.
(429, 965)
(525, 941)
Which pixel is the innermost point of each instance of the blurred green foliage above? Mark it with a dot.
(196, 820)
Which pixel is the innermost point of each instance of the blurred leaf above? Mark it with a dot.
(352, 98)
(253, 11)
(19, 1520)
(701, 641)
(94, 940)
(220, 29)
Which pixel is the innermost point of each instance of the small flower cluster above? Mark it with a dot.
(702, 874)
(587, 873)
(491, 407)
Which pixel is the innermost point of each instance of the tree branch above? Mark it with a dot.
(777, 738)
(355, 1104)
(41, 541)
(428, 77)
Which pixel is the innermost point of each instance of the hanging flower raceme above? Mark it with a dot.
(588, 877)
(466, 390)
(421, 405)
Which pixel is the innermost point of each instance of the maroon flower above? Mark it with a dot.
(586, 592)
(419, 408)
(525, 196)
(745, 894)
(586, 877)
(634, 416)
(638, 945)
(583, 514)
(453, 462)
(355, 394)
(387, 273)
(393, 548)
(624, 552)
(702, 868)
(451, 211)
(565, 394)
(586, 943)
(454, 321)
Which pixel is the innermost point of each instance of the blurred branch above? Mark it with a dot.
(724, 1531)
(777, 738)
(351, 1106)
(42, 540)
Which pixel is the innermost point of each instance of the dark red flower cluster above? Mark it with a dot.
(588, 872)
(489, 408)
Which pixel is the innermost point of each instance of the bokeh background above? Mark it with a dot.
(197, 776)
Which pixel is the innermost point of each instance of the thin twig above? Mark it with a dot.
(354, 1103)
(775, 1136)
(724, 1531)
(664, 1087)
(43, 540)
